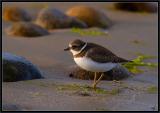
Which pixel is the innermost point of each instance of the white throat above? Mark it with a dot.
(77, 52)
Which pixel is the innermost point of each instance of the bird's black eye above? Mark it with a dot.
(74, 47)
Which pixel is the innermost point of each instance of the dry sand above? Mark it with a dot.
(47, 53)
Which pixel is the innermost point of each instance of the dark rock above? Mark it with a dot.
(10, 107)
(26, 29)
(117, 73)
(15, 14)
(16, 68)
(52, 19)
(137, 7)
(91, 16)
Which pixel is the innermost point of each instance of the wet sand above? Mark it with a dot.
(47, 53)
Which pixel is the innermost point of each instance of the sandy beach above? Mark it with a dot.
(47, 53)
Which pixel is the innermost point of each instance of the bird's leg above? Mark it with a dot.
(95, 78)
(98, 80)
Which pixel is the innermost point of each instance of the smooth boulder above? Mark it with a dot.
(91, 16)
(51, 18)
(117, 73)
(16, 68)
(15, 14)
(137, 7)
(26, 29)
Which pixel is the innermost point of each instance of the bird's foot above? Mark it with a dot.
(94, 86)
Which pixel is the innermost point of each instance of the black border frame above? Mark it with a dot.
(81, 1)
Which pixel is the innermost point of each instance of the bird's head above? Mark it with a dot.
(76, 46)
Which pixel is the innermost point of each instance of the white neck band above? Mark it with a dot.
(81, 49)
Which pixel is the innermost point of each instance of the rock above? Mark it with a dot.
(52, 18)
(16, 68)
(26, 29)
(117, 73)
(91, 16)
(137, 7)
(10, 107)
(15, 14)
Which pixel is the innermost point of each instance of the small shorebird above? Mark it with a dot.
(93, 57)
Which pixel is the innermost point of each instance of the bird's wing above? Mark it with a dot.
(102, 55)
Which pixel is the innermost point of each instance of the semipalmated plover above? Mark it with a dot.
(93, 57)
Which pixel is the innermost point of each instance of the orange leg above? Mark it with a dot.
(96, 82)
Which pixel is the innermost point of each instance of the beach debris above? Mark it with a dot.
(137, 6)
(17, 68)
(89, 32)
(133, 67)
(85, 90)
(136, 41)
(91, 16)
(15, 14)
(51, 18)
(117, 73)
(152, 89)
(84, 93)
(26, 29)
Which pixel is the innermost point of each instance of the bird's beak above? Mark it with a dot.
(67, 49)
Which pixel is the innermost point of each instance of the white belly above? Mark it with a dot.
(92, 66)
